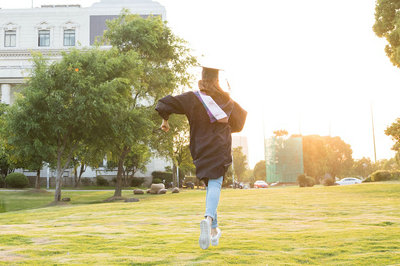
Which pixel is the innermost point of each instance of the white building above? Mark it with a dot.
(52, 29)
(241, 141)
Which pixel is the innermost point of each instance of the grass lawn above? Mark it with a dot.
(346, 225)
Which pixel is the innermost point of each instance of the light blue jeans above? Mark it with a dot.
(212, 199)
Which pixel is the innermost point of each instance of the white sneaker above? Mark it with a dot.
(205, 234)
(215, 239)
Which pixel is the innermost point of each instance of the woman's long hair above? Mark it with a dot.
(213, 89)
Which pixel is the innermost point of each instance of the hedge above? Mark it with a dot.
(16, 180)
(160, 176)
(383, 175)
(305, 181)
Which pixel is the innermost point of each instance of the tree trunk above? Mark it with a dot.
(59, 176)
(81, 171)
(118, 184)
(174, 177)
(37, 182)
(75, 176)
(57, 193)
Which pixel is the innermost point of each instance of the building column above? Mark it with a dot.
(6, 93)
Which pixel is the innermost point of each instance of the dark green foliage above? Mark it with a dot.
(260, 170)
(159, 175)
(137, 181)
(395, 175)
(383, 175)
(16, 180)
(305, 181)
(86, 181)
(101, 181)
(157, 180)
(328, 181)
(387, 22)
(2, 182)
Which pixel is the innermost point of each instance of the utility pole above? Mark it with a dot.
(373, 132)
(265, 144)
(233, 174)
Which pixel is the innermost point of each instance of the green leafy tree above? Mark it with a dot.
(136, 160)
(260, 170)
(26, 151)
(387, 25)
(326, 155)
(174, 145)
(71, 103)
(6, 166)
(240, 165)
(363, 167)
(84, 157)
(164, 59)
(394, 132)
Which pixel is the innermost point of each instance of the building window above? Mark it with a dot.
(69, 37)
(10, 38)
(44, 38)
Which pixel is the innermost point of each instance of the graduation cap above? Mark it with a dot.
(209, 73)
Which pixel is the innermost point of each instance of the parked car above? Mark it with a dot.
(260, 184)
(188, 185)
(237, 185)
(348, 181)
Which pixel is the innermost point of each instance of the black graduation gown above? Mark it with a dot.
(210, 143)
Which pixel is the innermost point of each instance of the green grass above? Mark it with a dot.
(341, 225)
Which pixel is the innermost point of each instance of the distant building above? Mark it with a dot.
(52, 29)
(241, 141)
(284, 159)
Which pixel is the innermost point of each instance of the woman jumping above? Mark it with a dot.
(212, 116)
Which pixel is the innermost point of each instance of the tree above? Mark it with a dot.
(5, 164)
(260, 170)
(387, 25)
(70, 104)
(239, 163)
(163, 59)
(27, 151)
(363, 167)
(174, 145)
(326, 155)
(136, 160)
(280, 133)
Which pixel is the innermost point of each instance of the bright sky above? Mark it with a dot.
(310, 67)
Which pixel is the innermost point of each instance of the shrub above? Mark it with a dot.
(368, 179)
(137, 181)
(396, 175)
(301, 179)
(310, 181)
(2, 182)
(328, 181)
(157, 181)
(16, 180)
(86, 181)
(162, 176)
(305, 181)
(101, 181)
(380, 175)
(383, 175)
